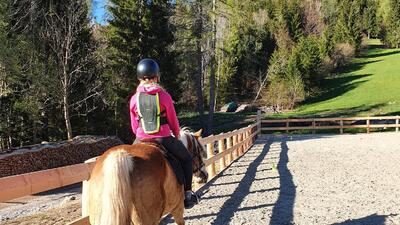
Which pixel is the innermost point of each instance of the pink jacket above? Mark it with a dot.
(166, 104)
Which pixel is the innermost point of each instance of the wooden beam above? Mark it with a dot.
(31, 183)
(81, 221)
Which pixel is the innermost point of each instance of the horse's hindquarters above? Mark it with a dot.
(132, 183)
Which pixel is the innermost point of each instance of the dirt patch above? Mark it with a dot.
(60, 215)
(59, 204)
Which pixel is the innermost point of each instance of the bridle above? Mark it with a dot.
(196, 152)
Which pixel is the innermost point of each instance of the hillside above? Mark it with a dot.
(369, 85)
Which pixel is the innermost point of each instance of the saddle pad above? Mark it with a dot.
(171, 159)
(176, 167)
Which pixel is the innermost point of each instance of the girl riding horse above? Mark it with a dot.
(153, 117)
(134, 184)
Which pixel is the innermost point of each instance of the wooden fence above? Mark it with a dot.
(222, 150)
(367, 123)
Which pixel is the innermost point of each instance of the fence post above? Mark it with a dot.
(368, 125)
(249, 139)
(85, 198)
(245, 142)
(287, 126)
(228, 146)
(235, 141)
(397, 124)
(85, 192)
(341, 126)
(221, 148)
(258, 122)
(246, 138)
(210, 153)
(313, 126)
(240, 139)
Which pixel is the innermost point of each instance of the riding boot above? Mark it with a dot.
(191, 199)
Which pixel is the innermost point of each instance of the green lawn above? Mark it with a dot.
(370, 85)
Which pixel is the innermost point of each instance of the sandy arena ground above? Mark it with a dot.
(300, 180)
(305, 180)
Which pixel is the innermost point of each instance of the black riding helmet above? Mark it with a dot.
(147, 68)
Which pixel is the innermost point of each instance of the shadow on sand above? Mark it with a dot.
(373, 219)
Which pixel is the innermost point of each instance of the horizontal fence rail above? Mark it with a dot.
(367, 123)
(31, 183)
(222, 150)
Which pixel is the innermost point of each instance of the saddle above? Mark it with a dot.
(171, 159)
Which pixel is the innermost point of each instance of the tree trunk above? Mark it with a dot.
(115, 118)
(212, 76)
(262, 85)
(67, 117)
(10, 142)
(199, 86)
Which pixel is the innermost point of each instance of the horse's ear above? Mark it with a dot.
(198, 133)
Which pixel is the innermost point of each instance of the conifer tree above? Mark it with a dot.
(348, 26)
(369, 22)
(392, 25)
(141, 29)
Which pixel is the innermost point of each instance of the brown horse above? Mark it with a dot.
(135, 185)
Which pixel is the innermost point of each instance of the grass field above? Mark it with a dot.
(369, 85)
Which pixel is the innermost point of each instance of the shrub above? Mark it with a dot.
(342, 54)
(284, 92)
(286, 87)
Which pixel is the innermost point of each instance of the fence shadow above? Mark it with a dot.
(242, 190)
(282, 212)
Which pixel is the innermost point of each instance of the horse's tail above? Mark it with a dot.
(116, 197)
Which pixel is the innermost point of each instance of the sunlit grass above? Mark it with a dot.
(370, 85)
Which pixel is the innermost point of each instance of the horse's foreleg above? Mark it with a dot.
(177, 213)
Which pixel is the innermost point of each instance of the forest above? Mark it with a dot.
(63, 74)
